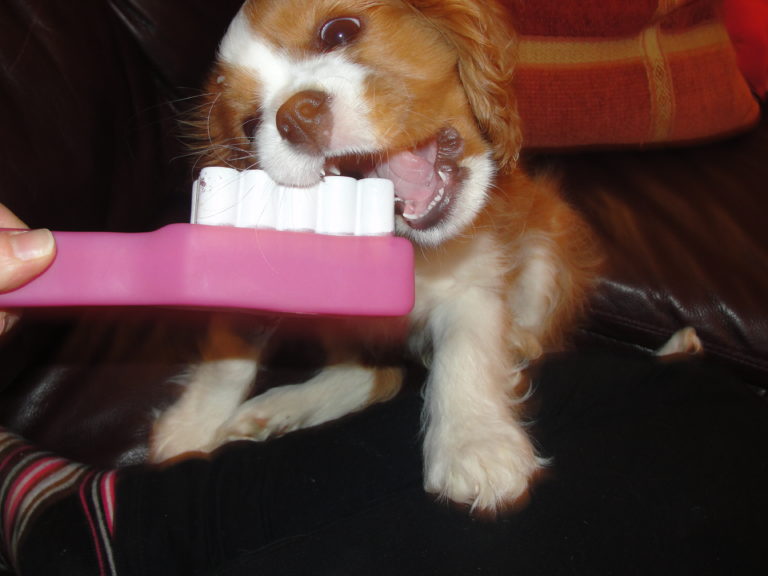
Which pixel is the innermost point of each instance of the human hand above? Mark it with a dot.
(24, 254)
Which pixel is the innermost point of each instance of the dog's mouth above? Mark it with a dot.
(426, 178)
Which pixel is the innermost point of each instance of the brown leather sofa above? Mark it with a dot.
(91, 98)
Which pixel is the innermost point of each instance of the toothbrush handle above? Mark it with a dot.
(197, 266)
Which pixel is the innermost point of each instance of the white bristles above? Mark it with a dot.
(338, 205)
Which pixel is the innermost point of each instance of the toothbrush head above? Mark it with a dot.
(338, 205)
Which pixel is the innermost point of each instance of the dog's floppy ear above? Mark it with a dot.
(481, 32)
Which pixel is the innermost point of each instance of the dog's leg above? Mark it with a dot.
(334, 392)
(476, 450)
(213, 390)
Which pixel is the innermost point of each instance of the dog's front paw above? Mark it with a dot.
(177, 432)
(487, 469)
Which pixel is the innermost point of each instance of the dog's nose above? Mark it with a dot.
(305, 120)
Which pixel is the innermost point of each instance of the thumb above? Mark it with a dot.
(24, 254)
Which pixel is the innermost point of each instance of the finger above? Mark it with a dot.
(23, 256)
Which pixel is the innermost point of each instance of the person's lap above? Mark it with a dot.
(656, 467)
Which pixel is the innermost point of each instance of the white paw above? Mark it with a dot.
(684, 341)
(177, 432)
(489, 468)
(273, 413)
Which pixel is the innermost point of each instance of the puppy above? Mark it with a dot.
(420, 92)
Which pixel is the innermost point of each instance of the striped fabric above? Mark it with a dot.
(97, 497)
(30, 481)
(627, 73)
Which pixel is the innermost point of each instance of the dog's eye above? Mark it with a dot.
(250, 125)
(339, 32)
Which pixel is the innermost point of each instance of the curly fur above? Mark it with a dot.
(503, 263)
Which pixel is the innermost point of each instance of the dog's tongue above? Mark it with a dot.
(414, 176)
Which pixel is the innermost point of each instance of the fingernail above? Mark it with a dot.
(32, 244)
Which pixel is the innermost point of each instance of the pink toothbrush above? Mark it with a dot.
(326, 250)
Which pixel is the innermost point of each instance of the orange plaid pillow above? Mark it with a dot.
(627, 73)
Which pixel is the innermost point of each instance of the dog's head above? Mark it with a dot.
(417, 91)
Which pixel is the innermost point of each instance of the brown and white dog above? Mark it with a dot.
(418, 91)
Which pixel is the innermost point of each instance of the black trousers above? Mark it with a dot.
(657, 468)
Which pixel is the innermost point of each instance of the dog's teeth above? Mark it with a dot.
(334, 170)
(436, 199)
